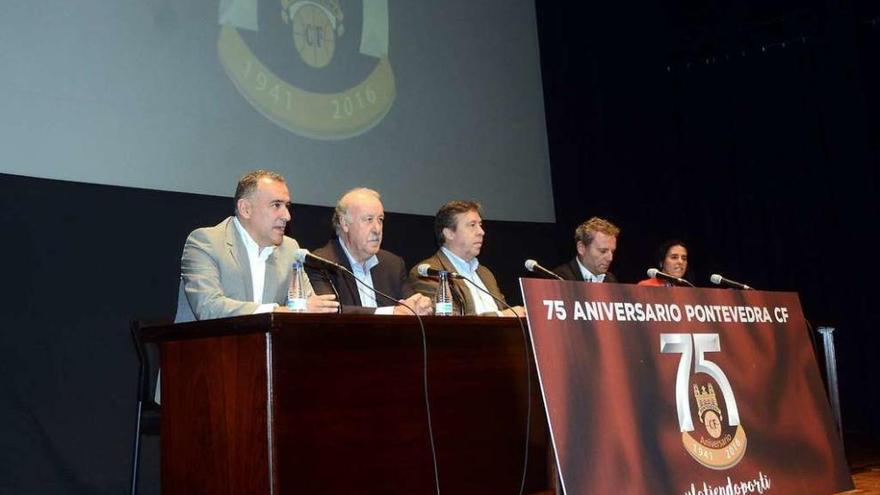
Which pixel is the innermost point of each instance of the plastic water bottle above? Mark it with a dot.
(296, 294)
(443, 297)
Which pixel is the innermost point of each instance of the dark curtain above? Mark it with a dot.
(749, 130)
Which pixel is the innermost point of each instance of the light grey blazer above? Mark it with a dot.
(215, 275)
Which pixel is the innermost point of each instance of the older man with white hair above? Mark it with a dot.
(359, 220)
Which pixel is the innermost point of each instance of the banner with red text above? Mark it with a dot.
(655, 390)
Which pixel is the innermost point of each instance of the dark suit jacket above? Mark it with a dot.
(462, 302)
(571, 271)
(389, 276)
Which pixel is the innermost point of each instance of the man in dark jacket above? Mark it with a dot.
(596, 241)
(358, 219)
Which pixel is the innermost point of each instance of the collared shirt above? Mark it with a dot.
(483, 303)
(362, 273)
(588, 275)
(257, 259)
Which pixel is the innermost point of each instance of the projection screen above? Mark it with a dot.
(425, 101)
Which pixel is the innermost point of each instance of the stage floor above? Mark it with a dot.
(867, 482)
(863, 456)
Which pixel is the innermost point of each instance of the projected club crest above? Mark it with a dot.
(299, 63)
(717, 440)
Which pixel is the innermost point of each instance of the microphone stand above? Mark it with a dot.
(456, 293)
(684, 282)
(673, 280)
(452, 275)
(536, 267)
(333, 286)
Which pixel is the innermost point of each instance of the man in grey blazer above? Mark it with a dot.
(458, 228)
(243, 264)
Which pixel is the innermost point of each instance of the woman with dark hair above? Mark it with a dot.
(671, 258)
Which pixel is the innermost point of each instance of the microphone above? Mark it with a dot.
(655, 273)
(425, 270)
(532, 265)
(503, 303)
(301, 254)
(300, 257)
(719, 280)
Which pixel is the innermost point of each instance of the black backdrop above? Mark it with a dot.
(751, 131)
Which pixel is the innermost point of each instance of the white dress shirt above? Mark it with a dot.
(588, 275)
(257, 259)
